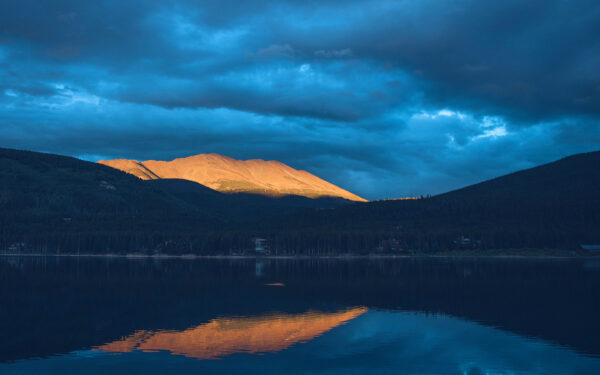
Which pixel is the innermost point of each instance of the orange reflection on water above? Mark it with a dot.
(225, 336)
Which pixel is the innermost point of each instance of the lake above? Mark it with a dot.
(85, 315)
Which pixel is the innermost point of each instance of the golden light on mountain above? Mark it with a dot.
(225, 336)
(229, 175)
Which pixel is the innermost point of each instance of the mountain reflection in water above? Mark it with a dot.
(225, 336)
(93, 316)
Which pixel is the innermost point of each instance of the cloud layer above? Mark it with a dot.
(385, 98)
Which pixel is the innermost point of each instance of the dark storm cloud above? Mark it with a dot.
(385, 98)
(532, 59)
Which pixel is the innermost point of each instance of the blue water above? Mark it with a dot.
(406, 316)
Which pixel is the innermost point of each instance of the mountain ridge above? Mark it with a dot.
(51, 203)
(228, 175)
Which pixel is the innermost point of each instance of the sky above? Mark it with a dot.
(384, 98)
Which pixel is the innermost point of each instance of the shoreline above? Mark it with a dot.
(300, 257)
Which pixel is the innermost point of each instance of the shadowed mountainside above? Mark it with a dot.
(556, 205)
(57, 203)
(61, 204)
(227, 175)
(240, 207)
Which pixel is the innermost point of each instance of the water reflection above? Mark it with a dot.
(225, 336)
(420, 316)
(372, 342)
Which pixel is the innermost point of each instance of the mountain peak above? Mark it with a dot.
(228, 175)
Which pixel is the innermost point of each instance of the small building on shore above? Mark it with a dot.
(261, 246)
(16, 247)
(389, 245)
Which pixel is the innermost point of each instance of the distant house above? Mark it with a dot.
(391, 244)
(465, 243)
(261, 246)
(18, 246)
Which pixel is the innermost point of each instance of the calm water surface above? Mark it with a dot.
(62, 315)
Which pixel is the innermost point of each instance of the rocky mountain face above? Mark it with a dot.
(227, 175)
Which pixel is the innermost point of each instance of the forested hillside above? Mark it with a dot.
(240, 207)
(556, 205)
(56, 203)
(52, 204)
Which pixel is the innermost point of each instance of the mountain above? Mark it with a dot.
(573, 178)
(58, 203)
(34, 183)
(556, 206)
(52, 203)
(227, 175)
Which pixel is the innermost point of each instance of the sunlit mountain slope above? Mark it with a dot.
(228, 175)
